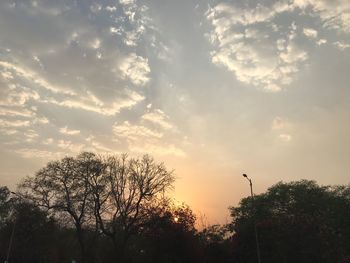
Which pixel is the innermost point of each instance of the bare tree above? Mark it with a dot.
(111, 193)
(122, 194)
(63, 187)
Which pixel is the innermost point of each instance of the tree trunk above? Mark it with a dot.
(119, 250)
(81, 243)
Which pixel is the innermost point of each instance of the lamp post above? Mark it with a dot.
(12, 234)
(254, 216)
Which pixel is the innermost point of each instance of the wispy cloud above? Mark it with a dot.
(158, 117)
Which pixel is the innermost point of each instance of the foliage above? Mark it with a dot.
(4, 203)
(108, 194)
(296, 222)
(92, 208)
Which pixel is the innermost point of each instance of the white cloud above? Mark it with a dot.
(91, 103)
(341, 45)
(285, 137)
(115, 31)
(111, 8)
(70, 146)
(293, 54)
(321, 41)
(14, 123)
(132, 37)
(133, 132)
(34, 78)
(264, 62)
(65, 130)
(97, 146)
(310, 32)
(19, 112)
(41, 120)
(144, 139)
(96, 43)
(334, 14)
(232, 15)
(30, 135)
(158, 117)
(136, 69)
(126, 2)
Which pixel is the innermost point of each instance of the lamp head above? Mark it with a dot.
(244, 175)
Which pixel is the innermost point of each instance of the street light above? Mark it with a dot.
(255, 230)
(12, 234)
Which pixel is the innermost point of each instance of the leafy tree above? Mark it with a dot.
(32, 233)
(296, 222)
(215, 243)
(167, 236)
(4, 203)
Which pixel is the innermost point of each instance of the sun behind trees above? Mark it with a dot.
(110, 194)
(102, 209)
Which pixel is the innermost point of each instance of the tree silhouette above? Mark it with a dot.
(297, 222)
(110, 194)
(122, 194)
(62, 187)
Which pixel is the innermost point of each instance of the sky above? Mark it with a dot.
(211, 88)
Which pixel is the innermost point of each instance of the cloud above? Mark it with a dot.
(32, 77)
(248, 49)
(70, 146)
(341, 45)
(127, 2)
(98, 146)
(285, 137)
(95, 44)
(89, 103)
(134, 132)
(136, 69)
(158, 117)
(90, 58)
(321, 41)
(310, 32)
(334, 14)
(282, 127)
(253, 43)
(30, 135)
(152, 135)
(15, 112)
(13, 123)
(65, 130)
(111, 8)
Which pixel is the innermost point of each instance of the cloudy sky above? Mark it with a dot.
(212, 88)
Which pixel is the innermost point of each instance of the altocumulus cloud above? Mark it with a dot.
(61, 60)
(260, 41)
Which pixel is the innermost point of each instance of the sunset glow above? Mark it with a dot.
(213, 89)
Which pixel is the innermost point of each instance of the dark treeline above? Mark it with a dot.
(94, 208)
